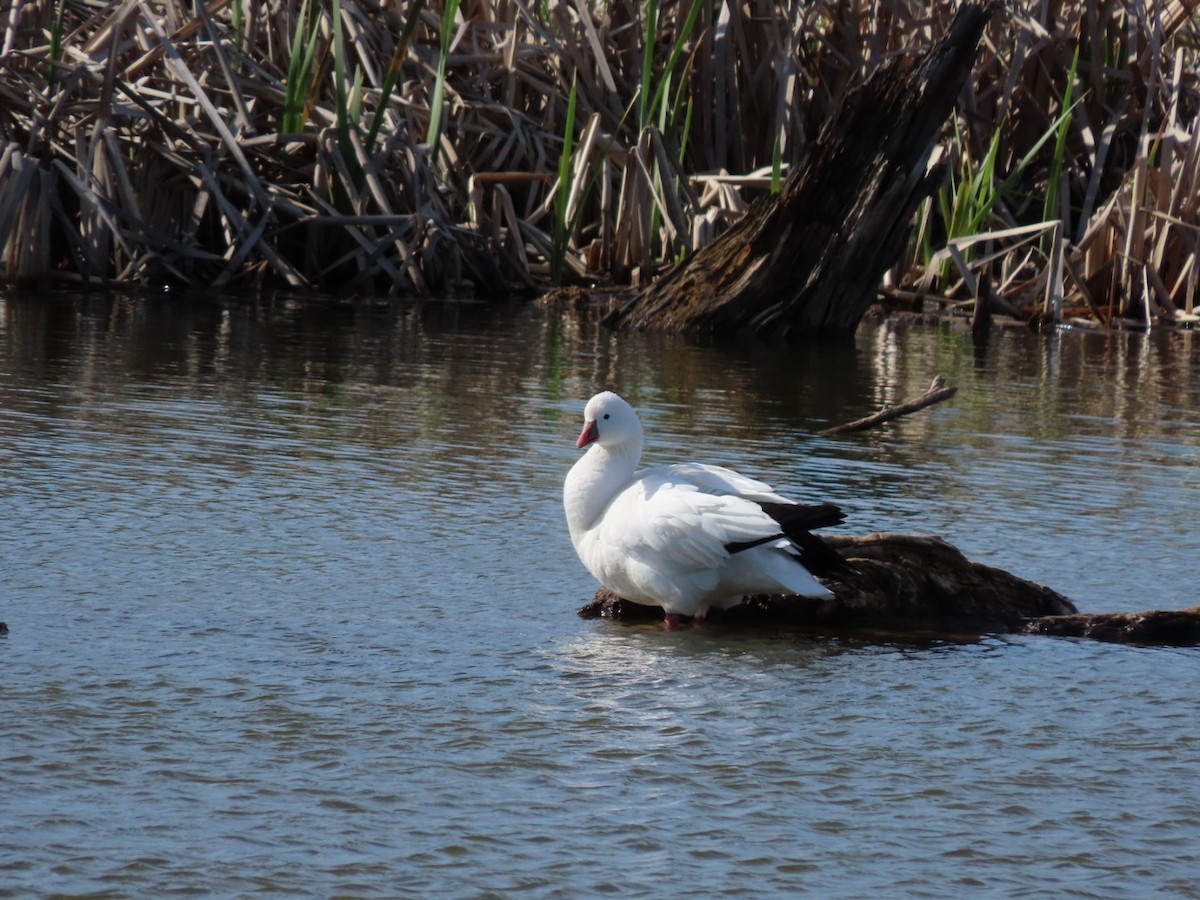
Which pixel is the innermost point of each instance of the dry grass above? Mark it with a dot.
(141, 142)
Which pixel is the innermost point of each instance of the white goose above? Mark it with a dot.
(685, 537)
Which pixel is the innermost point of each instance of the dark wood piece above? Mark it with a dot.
(936, 393)
(1171, 627)
(899, 582)
(810, 259)
(903, 585)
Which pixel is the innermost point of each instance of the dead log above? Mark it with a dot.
(936, 393)
(1169, 627)
(810, 259)
(896, 582)
(919, 585)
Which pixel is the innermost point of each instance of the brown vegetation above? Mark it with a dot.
(809, 260)
(347, 145)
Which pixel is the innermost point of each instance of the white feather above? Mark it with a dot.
(658, 536)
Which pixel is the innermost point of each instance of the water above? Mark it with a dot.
(292, 610)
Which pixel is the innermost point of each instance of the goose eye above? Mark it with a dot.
(606, 415)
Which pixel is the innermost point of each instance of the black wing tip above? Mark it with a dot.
(738, 546)
(798, 521)
(804, 516)
(812, 552)
(819, 558)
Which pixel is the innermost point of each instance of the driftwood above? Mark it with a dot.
(919, 585)
(896, 582)
(810, 259)
(1176, 627)
(936, 393)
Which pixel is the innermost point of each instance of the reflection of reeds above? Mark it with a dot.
(434, 147)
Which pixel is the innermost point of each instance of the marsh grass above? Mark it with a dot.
(562, 196)
(491, 145)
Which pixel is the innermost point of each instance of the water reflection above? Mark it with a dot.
(292, 609)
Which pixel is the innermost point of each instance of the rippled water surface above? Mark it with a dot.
(291, 609)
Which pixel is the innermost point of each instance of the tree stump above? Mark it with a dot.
(810, 259)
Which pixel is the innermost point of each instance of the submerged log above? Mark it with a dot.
(1171, 627)
(810, 259)
(904, 584)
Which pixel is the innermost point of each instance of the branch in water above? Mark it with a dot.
(936, 393)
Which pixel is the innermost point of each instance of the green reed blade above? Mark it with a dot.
(300, 70)
(648, 113)
(1054, 177)
(561, 232)
(433, 136)
(56, 36)
(393, 72)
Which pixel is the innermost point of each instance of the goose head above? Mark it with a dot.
(612, 423)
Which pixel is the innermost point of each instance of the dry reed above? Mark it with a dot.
(424, 152)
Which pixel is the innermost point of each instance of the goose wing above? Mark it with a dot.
(674, 525)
